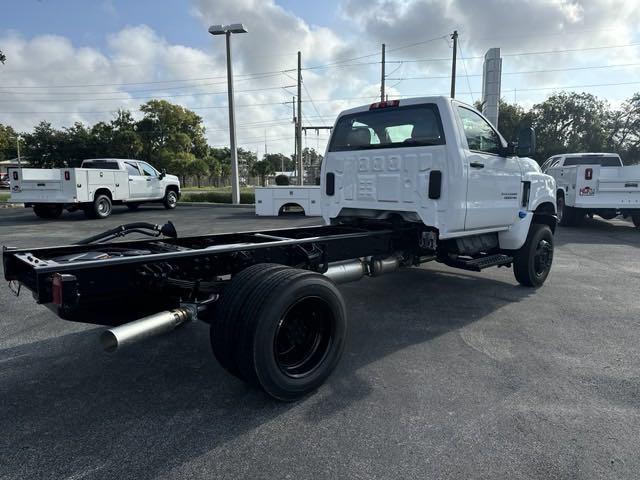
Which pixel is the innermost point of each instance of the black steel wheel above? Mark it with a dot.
(532, 263)
(303, 335)
(281, 329)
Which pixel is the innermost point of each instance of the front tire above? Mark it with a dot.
(47, 210)
(170, 199)
(532, 263)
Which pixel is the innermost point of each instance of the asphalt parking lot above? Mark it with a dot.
(446, 374)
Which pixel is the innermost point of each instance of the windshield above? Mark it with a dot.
(592, 160)
(410, 126)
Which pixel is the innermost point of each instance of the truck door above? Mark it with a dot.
(154, 186)
(138, 187)
(494, 182)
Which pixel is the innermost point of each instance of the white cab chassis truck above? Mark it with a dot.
(403, 183)
(594, 183)
(94, 187)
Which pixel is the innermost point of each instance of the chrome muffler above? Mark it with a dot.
(156, 324)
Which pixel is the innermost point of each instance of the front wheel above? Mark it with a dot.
(170, 199)
(532, 262)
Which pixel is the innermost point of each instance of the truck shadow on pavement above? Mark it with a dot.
(70, 409)
(599, 231)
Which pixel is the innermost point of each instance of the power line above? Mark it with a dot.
(545, 52)
(526, 72)
(224, 92)
(239, 77)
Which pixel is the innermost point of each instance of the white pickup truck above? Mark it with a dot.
(95, 187)
(594, 183)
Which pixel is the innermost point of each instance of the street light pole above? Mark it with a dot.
(227, 30)
(235, 180)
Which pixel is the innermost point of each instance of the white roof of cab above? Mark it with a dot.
(595, 154)
(439, 100)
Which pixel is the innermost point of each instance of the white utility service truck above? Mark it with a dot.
(403, 183)
(95, 187)
(594, 183)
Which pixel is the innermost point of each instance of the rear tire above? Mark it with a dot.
(47, 210)
(289, 332)
(100, 208)
(636, 220)
(567, 216)
(226, 314)
(170, 199)
(532, 263)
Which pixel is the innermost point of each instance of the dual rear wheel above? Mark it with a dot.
(281, 329)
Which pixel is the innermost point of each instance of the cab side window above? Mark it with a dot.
(481, 137)
(148, 170)
(132, 168)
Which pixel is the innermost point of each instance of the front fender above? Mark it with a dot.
(543, 190)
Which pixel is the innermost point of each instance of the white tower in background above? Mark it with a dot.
(491, 79)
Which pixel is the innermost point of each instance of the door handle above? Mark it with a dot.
(148, 179)
(476, 165)
(130, 179)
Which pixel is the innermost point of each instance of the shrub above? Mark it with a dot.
(217, 197)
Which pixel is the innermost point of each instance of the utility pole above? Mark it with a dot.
(18, 145)
(295, 134)
(299, 125)
(454, 36)
(383, 75)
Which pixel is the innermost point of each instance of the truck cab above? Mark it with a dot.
(437, 161)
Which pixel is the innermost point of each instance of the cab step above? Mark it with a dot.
(479, 263)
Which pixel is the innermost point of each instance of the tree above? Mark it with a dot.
(511, 119)
(262, 169)
(3, 57)
(172, 127)
(198, 168)
(623, 130)
(44, 146)
(75, 144)
(8, 147)
(280, 162)
(569, 122)
(181, 166)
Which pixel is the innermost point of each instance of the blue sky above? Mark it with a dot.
(146, 49)
(89, 22)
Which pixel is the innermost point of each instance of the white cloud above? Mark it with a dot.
(139, 54)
